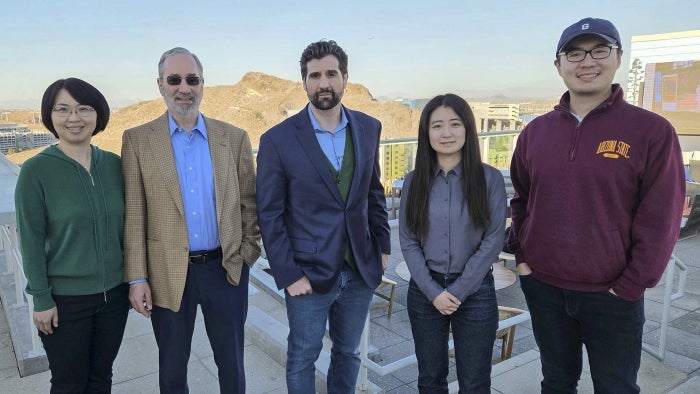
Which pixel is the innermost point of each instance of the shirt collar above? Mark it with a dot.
(342, 125)
(199, 126)
(457, 170)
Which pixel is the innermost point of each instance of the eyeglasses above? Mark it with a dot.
(64, 111)
(598, 53)
(176, 80)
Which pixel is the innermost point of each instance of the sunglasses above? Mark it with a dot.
(176, 80)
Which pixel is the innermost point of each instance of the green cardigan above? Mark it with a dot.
(71, 225)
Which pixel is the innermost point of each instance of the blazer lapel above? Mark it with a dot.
(358, 141)
(220, 157)
(307, 139)
(165, 159)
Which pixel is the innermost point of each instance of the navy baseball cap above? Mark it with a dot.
(599, 27)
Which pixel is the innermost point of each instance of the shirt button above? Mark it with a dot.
(189, 168)
(191, 190)
(196, 235)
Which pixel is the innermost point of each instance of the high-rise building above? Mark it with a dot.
(397, 159)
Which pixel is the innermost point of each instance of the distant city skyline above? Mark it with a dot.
(406, 49)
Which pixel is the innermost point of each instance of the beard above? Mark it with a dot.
(183, 109)
(325, 103)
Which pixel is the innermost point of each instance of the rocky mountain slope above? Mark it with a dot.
(256, 103)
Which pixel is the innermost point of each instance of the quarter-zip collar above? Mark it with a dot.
(564, 107)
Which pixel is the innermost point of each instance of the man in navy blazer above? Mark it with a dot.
(321, 212)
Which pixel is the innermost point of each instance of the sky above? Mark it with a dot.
(409, 49)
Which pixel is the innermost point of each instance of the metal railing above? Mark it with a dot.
(398, 155)
(13, 265)
(17, 304)
(264, 279)
(670, 274)
(381, 370)
(260, 278)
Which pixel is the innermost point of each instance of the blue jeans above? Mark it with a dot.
(474, 326)
(225, 308)
(610, 327)
(83, 347)
(345, 307)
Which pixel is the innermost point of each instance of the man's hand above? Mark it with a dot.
(140, 297)
(385, 262)
(300, 287)
(446, 303)
(46, 321)
(523, 269)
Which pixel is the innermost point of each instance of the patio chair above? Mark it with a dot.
(389, 298)
(507, 334)
(691, 227)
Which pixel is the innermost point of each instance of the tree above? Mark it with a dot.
(634, 79)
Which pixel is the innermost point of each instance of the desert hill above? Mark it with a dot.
(256, 103)
(29, 118)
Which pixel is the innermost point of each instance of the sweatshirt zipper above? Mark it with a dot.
(574, 143)
(104, 288)
(577, 130)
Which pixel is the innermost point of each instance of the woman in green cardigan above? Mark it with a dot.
(70, 216)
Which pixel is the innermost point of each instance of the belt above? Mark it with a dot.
(450, 275)
(446, 276)
(202, 256)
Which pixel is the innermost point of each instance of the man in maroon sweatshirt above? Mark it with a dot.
(599, 191)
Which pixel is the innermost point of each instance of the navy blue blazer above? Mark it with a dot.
(302, 217)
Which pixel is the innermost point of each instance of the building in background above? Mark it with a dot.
(16, 138)
(397, 158)
(503, 117)
(664, 77)
(488, 116)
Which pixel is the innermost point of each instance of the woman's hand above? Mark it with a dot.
(446, 303)
(46, 321)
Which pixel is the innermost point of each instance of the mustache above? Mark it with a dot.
(188, 96)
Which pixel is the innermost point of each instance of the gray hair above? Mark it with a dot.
(179, 50)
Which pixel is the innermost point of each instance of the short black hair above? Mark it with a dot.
(320, 49)
(83, 93)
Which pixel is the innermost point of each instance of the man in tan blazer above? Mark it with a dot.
(191, 231)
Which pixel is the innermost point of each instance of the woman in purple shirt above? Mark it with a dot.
(452, 218)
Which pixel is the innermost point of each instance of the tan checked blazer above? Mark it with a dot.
(156, 244)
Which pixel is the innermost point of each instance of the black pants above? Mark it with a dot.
(563, 321)
(225, 308)
(83, 347)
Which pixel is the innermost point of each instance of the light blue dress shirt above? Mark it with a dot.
(196, 174)
(332, 143)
